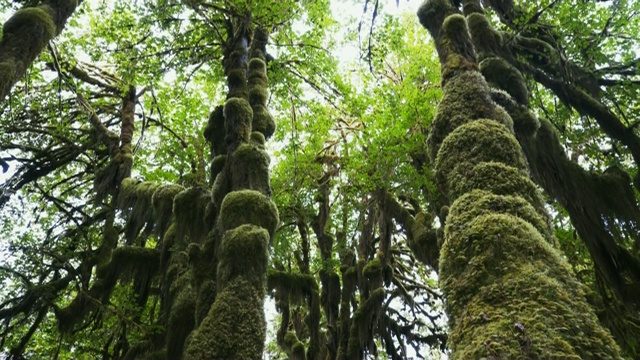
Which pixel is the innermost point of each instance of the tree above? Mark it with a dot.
(143, 244)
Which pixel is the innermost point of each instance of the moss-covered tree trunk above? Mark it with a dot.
(235, 327)
(25, 35)
(509, 294)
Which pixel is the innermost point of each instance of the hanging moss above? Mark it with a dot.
(466, 98)
(235, 327)
(297, 286)
(221, 186)
(181, 322)
(424, 242)
(135, 199)
(214, 132)
(162, 200)
(362, 319)
(189, 208)
(248, 207)
(206, 297)
(506, 77)
(237, 121)
(244, 253)
(475, 142)
(250, 169)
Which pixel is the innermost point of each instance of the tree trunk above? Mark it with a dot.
(509, 293)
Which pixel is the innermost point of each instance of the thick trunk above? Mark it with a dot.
(509, 294)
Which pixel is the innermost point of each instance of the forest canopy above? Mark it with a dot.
(300, 179)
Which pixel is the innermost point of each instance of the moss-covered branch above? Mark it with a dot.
(25, 35)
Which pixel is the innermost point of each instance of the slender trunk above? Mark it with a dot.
(235, 327)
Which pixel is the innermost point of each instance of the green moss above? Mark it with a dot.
(257, 138)
(237, 82)
(296, 286)
(248, 207)
(485, 248)
(486, 40)
(478, 202)
(524, 122)
(237, 120)
(235, 327)
(263, 121)
(466, 98)
(529, 315)
(244, 253)
(214, 132)
(373, 269)
(162, 200)
(217, 164)
(506, 77)
(36, 21)
(250, 169)
(494, 177)
(475, 142)
(189, 208)
(181, 322)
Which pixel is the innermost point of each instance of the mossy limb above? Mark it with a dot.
(36, 21)
(181, 322)
(248, 207)
(486, 40)
(506, 77)
(217, 164)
